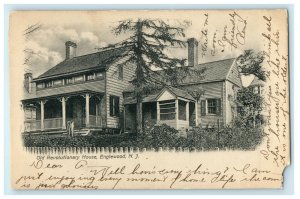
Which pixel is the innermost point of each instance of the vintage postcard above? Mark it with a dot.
(181, 99)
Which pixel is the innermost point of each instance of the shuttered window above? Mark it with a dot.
(211, 106)
(214, 106)
(203, 107)
(114, 106)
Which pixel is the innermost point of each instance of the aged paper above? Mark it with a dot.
(214, 113)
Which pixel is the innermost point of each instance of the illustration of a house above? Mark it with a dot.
(95, 96)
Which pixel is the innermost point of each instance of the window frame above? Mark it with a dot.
(120, 72)
(42, 85)
(57, 85)
(114, 106)
(78, 81)
(172, 109)
(211, 106)
(88, 75)
(49, 84)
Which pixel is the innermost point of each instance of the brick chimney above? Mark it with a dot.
(28, 82)
(70, 49)
(192, 51)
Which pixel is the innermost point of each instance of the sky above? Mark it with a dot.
(45, 47)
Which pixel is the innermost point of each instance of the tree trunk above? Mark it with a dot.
(139, 77)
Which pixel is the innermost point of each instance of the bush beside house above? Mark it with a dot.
(234, 137)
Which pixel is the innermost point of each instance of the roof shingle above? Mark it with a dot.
(81, 63)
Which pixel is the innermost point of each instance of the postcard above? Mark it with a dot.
(160, 99)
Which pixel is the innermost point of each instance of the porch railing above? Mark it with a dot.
(95, 121)
(53, 123)
(32, 125)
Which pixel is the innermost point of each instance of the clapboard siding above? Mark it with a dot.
(213, 90)
(115, 87)
(231, 93)
(182, 124)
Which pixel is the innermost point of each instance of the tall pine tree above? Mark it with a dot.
(146, 47)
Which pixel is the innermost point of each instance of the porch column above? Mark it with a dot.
(157, 113)
(187, 111)
(196, 113)
(63, 105)
(42, 114)
(87, 110)
(176, 112)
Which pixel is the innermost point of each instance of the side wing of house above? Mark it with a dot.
(117, 79)
(232, 84)
(210, 111)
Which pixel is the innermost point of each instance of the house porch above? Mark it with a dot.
(54, 113)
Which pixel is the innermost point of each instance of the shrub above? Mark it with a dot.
(159, 136)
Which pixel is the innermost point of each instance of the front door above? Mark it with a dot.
(76, 112)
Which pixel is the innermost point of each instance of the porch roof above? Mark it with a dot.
(65, 91)
(155, 96)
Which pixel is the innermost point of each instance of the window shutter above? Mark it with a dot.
(218, 106)
(117, 106)
(203, 107)
(111, 106)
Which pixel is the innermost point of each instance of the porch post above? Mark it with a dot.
(196, 113)
(42, 114)
(176, 113)
(157, 113)
(187, 111)
(63, 104)
(87, 110)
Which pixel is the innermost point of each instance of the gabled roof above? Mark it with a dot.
(81, 63)
(209, 72)
(221, 70)
(156, 94)
(212, 71)
(257, 82)
(180, 93)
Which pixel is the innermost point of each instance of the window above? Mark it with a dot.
(120, 71)
(256, 90)
(211, 106)
(40, 85)
(69, 80)
(99, 75)
(57, 82)
(49, 84)
(90, 77)
(30, 113)
(78, 78)
(114, 106)
(167, 110)
(182, 110)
